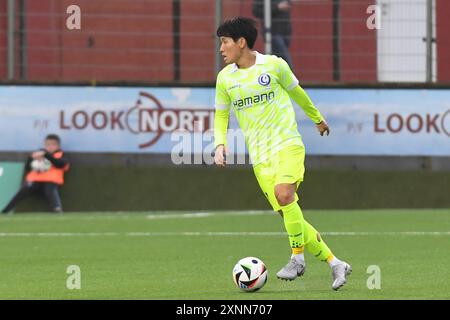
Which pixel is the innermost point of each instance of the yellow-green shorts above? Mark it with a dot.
(287, 166)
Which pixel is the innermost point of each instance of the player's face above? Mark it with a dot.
(51, 145)
(229, 49)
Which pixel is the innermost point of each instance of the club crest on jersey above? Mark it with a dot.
(264, 79)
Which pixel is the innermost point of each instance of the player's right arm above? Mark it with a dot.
(222, 114)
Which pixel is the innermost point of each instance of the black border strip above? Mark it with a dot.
(336, 42)
(379, 85)
(176, 17)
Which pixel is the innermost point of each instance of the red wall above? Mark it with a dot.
(312, 44)
(145, 52)
(197, 48)
(126, 44)
(358, 43)
(44, 40)
(443, 40)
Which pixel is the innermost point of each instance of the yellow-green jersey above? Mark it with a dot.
(260, 99)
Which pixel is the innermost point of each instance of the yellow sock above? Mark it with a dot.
(298, 250)
(315, 244)
(293, 222)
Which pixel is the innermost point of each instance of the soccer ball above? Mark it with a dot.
(250, 274)
(40, 165)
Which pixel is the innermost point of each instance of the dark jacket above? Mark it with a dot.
(57, 162)
(281, 20)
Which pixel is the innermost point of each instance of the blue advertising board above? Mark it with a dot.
(152, 120)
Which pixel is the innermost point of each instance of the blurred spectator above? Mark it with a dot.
(44, 174)
(281, 26)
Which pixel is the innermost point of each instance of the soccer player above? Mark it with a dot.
(47, 182)
(259, 88)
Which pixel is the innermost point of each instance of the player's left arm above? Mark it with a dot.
(290, 83)
(304, 101)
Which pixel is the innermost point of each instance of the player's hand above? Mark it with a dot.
(219, 155)
(323, 127)
(38, 154)
(284, 6)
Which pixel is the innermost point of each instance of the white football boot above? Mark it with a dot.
(340, 273)
(292, 270)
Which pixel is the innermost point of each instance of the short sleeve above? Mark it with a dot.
(286, 77)
(222, 99)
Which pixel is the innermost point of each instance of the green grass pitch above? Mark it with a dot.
(190, 255)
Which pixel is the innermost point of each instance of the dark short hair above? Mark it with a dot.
(239, 27)
(53, 136)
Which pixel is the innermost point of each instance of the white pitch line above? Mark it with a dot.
(59, 234)
(214, 234)
(206, 214)
(331, 233)
(126, 215)
(180, 215)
